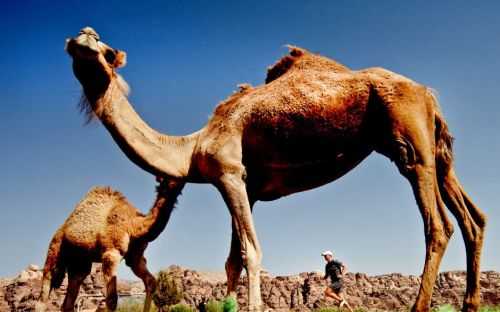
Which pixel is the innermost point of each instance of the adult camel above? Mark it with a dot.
(311, 122)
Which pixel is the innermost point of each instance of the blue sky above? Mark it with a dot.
(183, 58)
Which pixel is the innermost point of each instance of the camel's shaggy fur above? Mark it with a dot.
(105, 227)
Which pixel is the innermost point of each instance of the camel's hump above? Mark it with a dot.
(302, 59)
(104, 191)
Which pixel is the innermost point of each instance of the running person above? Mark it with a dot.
(335, 270)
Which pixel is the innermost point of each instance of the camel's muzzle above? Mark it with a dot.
(86, 41)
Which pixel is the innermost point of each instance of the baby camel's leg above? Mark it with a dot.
(137, 263)
(76, 275)
(110, 261)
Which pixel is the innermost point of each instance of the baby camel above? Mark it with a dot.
(105, 227)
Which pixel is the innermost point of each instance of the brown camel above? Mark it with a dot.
(311, 122)
(105, 227)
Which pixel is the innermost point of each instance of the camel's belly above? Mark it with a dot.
(287, 175)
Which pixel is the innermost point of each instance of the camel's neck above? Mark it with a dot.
(154, 222)
(154, 152)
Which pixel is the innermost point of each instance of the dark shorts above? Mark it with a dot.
(337, 286)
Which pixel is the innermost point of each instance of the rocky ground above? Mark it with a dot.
(281, 293)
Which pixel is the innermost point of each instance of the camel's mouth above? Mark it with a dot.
(88, 47)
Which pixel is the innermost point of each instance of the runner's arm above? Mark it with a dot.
(343, 269)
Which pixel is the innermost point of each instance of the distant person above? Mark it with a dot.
(335, 270)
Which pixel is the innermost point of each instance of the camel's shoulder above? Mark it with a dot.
(301, 59)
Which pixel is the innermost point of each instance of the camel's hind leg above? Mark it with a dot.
(234, 263)
(472, 223)
(138, 264)
(423, 182)
(415, 158)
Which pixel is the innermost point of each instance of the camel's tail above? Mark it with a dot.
(452, 191)
(444, 140)
(54, 269)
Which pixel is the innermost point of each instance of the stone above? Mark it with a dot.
(302, 292)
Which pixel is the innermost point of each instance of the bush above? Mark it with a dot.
(230, 305)
(444, 308)
(167, 291)
(227, 305)
(213, 306)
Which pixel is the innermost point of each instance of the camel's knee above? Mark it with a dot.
(480, 221)
(110, 260)
(439, 239)
(476, 236)
(252, 260)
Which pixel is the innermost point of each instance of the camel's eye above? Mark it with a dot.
(110, 56)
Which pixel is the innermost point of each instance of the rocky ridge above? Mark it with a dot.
(303, 292)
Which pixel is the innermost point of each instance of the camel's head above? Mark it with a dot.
(94, 62)
(87, 48)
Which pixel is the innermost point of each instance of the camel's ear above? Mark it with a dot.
(120, 59)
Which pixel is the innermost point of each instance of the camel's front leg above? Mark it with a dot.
(234, 263)
(110, 261)
(233, 190)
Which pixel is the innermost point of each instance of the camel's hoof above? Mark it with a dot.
(470, 307)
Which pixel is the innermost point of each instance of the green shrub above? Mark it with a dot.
(213, 306)
(167, 291)
(444, 308)
(181, 308)
(230, 305)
